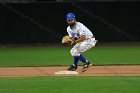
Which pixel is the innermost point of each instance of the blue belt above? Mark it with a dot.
(93, 36)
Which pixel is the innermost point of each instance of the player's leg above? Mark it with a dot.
(84, 46)
(73, 67)
(80, 57)
(76, 53)
(87, 64)
(77, 56)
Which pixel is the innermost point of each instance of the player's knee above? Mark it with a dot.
(74, 53)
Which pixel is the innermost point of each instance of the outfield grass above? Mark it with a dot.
(70, 85)
(50, 56)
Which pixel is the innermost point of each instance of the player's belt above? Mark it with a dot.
(93, 37)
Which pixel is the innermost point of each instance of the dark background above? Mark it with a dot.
(33, 23)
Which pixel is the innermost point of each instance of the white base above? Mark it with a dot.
(66, 72)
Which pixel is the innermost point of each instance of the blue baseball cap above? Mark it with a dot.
(70, 16)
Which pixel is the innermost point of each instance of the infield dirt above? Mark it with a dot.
(49, 71)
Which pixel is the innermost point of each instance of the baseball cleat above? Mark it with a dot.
(72, 68)
(86, 66)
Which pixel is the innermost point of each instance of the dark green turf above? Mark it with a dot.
(70, 85)
(49, 56)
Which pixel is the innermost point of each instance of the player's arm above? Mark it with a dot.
(82, 38)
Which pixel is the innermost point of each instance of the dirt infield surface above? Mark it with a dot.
(50, 71)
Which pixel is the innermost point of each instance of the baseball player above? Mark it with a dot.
(83, 41)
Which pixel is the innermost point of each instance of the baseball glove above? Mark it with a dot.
(66, 40)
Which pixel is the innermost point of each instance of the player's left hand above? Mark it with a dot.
(66, 40)
(72, 42)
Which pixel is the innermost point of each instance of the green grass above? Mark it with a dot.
(70, 85)
(50, 56)
(115, 55)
